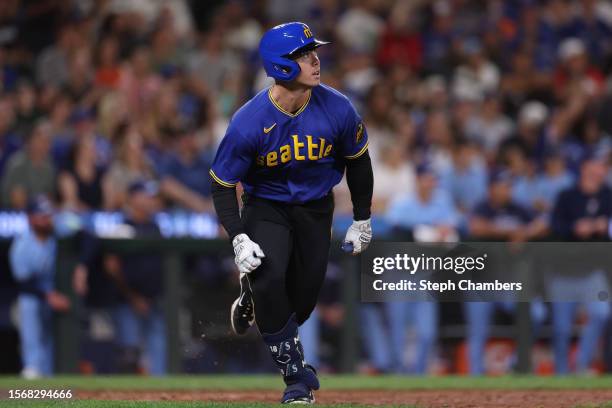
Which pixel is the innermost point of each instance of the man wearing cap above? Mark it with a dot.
(498, 218)
(575, 76)
(138, 278)
(529, 136)
(32, 260)
(288, 147)
(429, 215)
(581, 213)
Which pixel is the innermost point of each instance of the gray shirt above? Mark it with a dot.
(20, 171)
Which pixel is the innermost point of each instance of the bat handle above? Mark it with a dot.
(347, 247)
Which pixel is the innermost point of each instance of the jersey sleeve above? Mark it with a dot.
(354, 139)
(233, 158)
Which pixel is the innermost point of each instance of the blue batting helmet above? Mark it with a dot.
(279, 43)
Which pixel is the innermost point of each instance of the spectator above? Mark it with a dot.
(524, 178)
(400, 42)
(139, 83)
(498, 218)
(529, 135)
(581, 213)
(182, 181)
(359, 28)
(9, 143)
(62, 133)
(575, 76)
(439, 140)
(32, 259)
(242, 29)
(167, 54)
(394, 173)
(553, 180)
(594, 31)
(79, 86)
(477, 73)
(52, 63)
(439, 39)
(524, 83)
(29, 172)
(466, 178)
(108, 73)
(138, 316)
(130, 165)
(429, 216)
(84, 126)
(82, 184)
(213, 64)
(26, 111)
(489, 127)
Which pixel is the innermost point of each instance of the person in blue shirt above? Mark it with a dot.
(288, 147)
(429, 215)
(429, 205)
(32, 260)
(466, 178)
(182, 179)
(554, 178)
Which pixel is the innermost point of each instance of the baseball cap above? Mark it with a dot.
(571, 47)
(39, 205)
(533, 113)
(500, 176)
(150, 188)
(424, 168)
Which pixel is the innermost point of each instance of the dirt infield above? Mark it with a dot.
(437, 398)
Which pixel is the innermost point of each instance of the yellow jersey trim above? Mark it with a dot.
(280, 108)
(218, 180)
(359, 153)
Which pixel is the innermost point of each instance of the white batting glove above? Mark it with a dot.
(248, 253)
(359, 235)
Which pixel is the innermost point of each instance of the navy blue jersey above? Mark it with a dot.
(572, 205)
(290, 157)
(511, 215)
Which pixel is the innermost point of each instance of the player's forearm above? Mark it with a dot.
(360, 180)
(226, 206)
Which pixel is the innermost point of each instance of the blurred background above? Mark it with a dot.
(487, 121)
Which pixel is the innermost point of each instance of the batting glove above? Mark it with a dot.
(248, 253)
(359, 235)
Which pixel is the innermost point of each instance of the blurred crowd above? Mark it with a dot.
(110, 92)
(490, 120)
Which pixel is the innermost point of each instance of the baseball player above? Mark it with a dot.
(289, 146)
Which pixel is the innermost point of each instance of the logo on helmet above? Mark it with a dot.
(307, 32)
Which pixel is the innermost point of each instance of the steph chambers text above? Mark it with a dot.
(448, 286)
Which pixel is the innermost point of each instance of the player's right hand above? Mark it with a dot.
(248, 253)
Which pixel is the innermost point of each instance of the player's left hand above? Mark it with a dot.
(359, 235)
